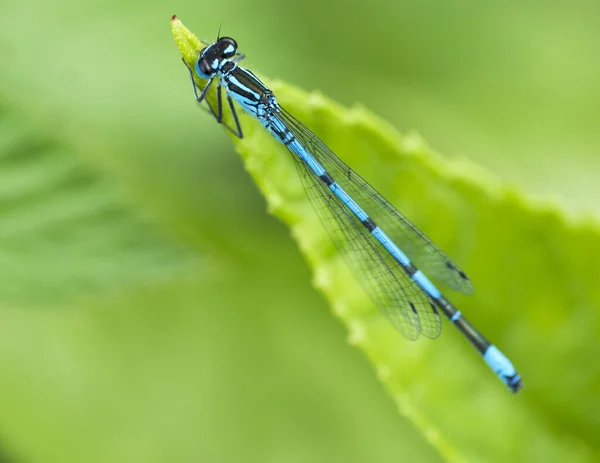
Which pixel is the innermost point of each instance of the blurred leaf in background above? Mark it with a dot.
(145, 319)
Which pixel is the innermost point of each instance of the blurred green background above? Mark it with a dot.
(143, 318)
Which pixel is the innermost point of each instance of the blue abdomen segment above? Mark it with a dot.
(502, 367)
(314, 165)
(427, 285)
(348, 202)
(391, 247)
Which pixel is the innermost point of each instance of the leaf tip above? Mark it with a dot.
(188, 44)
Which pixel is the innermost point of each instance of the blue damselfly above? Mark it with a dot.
(383, 248)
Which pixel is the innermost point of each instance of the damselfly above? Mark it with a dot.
(366, 228)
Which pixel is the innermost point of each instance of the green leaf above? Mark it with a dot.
(533, 271)
(66, 229)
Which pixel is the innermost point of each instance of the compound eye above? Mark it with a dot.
(203, 68)
(229, 46)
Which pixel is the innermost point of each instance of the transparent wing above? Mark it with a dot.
(421, 250)
(406, 305)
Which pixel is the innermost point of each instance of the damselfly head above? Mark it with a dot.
(228, 47)
(210, 58)
(204, 68)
